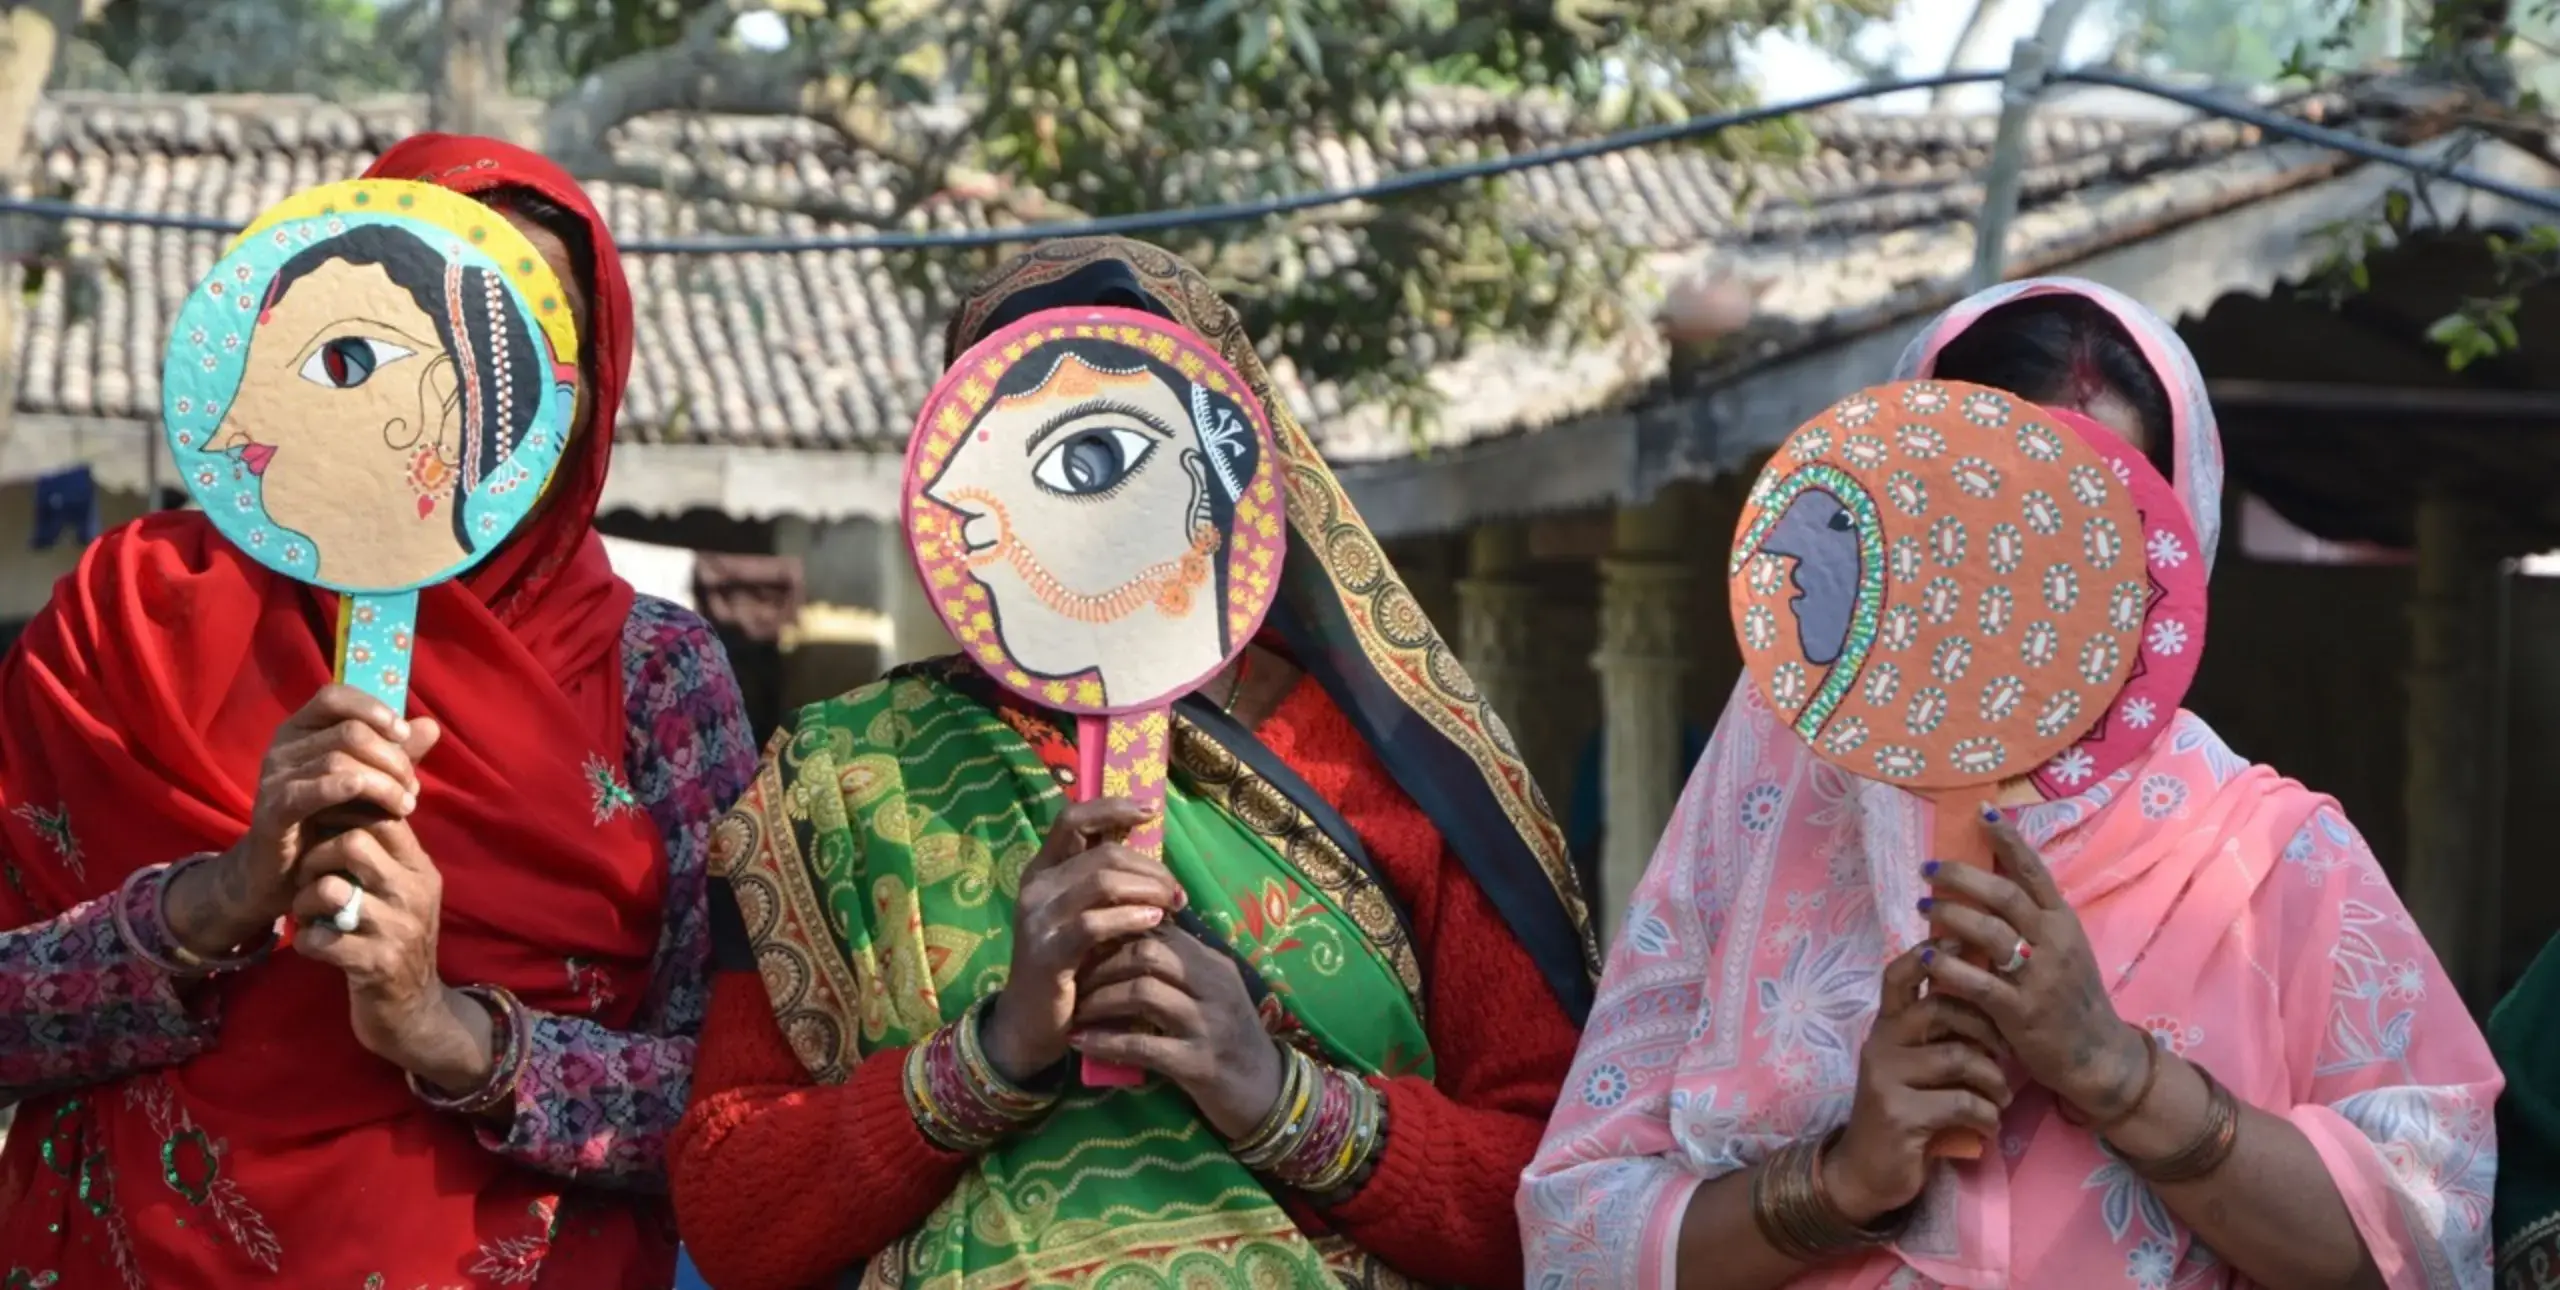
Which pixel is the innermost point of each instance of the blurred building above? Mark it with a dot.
(1564, 518)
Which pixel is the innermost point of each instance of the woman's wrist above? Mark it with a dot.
(2184, 1132)
(458, 1049)
(1324, 1132)
(474, 1062)
(146, 910)
(1850, 1197)
(2120, 1080)
(1005, 1051)
(1800, 1214)
(959, 1099)
(209, 912)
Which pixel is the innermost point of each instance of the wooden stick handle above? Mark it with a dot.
(1955, 837)
(1093, 753)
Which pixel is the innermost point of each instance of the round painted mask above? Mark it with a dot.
(369, 393)
(1094, 503)
(1941, 585)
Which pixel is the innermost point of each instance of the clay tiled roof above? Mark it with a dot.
(831, 352)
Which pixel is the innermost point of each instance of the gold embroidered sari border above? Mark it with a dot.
(816, 999)
(1224, 779)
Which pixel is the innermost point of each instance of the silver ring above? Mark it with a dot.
(2018, 956)
(350, 914)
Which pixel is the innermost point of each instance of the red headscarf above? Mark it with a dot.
(138, 706)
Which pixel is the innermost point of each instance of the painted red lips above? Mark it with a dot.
(256, 456)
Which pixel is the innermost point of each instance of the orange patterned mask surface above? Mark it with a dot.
(1939, 585)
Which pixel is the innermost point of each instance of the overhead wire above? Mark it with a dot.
(1391, 186)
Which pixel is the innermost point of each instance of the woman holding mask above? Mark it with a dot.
(1356, 1021)
(474, 1085)
(2226, 1056)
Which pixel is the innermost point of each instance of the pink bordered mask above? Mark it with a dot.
(1093, 500)
(2171, 642)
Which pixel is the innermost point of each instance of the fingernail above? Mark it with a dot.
(1929, 870)
(1990, 814)
(1928, 956)
(399, 727)
(1154, 916)
(408, 802)
(1925, 903)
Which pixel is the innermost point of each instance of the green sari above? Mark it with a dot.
(2524, 1032)
(875, 860)
(901, 816)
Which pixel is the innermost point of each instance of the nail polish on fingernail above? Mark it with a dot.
(1929, 870)
(1928, 956)
(1925, 903)
(1991, 815)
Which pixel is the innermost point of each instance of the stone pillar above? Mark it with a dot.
(1498, 624)
(2456, 787)
(915, 627)
(1643, 661)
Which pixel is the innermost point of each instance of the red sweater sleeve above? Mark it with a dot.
(1438, 1208)
(781, 1182)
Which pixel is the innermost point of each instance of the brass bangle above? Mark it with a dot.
(2072, 1115)
(1287, 1121)
(2208, 1150)
(1797, 1216)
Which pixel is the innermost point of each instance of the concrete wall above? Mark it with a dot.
(26, 575)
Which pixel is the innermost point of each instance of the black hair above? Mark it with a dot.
(1218, 484)
(557, 220)
(2065, 350)
(491, 327)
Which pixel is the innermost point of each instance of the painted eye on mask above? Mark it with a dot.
(345, 362)
(1092, 461)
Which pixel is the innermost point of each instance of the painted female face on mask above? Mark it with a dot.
(1094, 509)
(370, 397)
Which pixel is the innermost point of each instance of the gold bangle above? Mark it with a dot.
(2208, 1150)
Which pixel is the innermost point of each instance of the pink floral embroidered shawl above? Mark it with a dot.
(2244, 923)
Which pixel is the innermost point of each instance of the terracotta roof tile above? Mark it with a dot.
(831, 351)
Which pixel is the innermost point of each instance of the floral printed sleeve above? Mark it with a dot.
(598, 1104)
(79, 1006)
(1602, 1202)
(2396, 1096)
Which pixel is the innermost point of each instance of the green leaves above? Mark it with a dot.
(1114, 106)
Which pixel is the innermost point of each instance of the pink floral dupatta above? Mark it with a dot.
(2241, 920)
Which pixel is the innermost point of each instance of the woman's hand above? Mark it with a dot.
(343, 747)
(402, 1010)
(1201, 1030)
(1083, 891)
(1926, 1068)
(2053, 1008)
